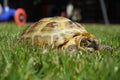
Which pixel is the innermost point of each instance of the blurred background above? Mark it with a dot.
(86, 11)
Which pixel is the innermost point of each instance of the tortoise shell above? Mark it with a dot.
(59, 32)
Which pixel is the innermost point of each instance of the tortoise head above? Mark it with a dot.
(92, 44)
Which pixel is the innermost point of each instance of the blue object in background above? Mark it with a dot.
(6, 13)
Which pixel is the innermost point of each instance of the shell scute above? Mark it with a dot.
(52, 26)
(39, 40)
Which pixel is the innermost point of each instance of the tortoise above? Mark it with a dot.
(63, 33)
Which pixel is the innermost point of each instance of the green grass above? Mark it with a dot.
(19, 61)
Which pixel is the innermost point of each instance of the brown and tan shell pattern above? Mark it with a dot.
(58, 32)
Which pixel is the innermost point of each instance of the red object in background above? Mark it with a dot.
(20, 17)
(63, 14)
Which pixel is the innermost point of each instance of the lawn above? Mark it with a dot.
(19, 61)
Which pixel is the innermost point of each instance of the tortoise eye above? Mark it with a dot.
(84, 42)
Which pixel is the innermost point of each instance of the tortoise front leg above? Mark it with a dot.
(103, 47)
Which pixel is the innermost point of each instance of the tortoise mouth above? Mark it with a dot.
(89, 43)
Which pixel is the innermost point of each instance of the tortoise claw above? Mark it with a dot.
(103, 47)
(72, 48)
